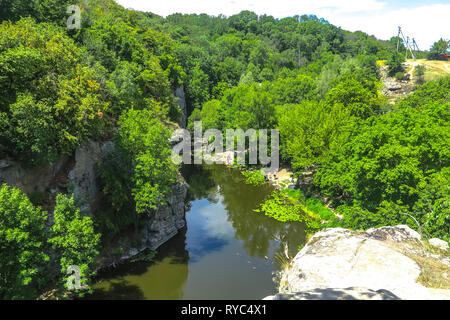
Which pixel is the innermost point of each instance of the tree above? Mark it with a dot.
(51, 102)
(144, 140)
(419, 72)
(211, 115)
(393, 164)
(359, 100)
(307, 130)
(74, 239)
(395, 63)
(22, 245)
(198, 87)
(438, 48)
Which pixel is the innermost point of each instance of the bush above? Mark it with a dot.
(255, 178)
(22, 243)
(25, 266)
(282, 208)
(74, 239)
(399, 76)
(395, 63)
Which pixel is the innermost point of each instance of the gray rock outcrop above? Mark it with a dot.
(83, 176)
(31, 180)
(335, 260)
(168, 219)
(337, 294)
(438, 243)
(159, 227)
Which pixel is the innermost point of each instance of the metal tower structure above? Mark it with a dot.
(410, 45)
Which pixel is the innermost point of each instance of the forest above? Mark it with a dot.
(113, 79)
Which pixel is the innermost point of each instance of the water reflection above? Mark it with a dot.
(163, 279)
(239, 200)
(226, 251)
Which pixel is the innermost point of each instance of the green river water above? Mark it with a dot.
(226, 251)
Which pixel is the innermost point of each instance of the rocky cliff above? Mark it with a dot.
(165, 223)
(78, 175)
(383, 263)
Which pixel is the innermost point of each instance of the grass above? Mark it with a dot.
(144, 257)
(434, 274)
(434, 69)
(432, 75)
(314, 208)
(317, 206)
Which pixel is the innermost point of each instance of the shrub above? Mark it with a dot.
(395, 63)
(22, 243)
(399, 76)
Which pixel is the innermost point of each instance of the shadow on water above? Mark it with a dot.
(141, 280)
(118, 290)
(226, 252)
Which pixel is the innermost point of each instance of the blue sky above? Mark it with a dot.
(426, 21)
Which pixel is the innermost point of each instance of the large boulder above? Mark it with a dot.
(379, 259)
(438, 243)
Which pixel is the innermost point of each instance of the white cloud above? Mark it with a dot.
(426, 23)
(216, 222)
(279, 8)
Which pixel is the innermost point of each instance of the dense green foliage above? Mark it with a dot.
(26, 243)
(395, 63)
(438, 49)
(21, 241)
(74, 239)
(114, 80)
(255, 178)
(390, 162)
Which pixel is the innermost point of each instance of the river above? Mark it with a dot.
(226, 251)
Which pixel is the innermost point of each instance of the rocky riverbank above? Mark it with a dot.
(383, 263)
(159, 227)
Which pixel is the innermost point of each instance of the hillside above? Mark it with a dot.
(87, 115)
(434, 69)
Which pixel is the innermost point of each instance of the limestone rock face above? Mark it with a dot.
(336, 294)
(39, 179)
(168, 219)
(83, 176)
(438, 243)
(159, 227)
(374, 260)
